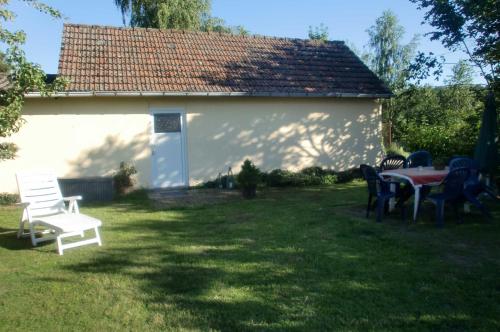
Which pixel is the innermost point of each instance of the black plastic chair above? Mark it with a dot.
(419, 158)
(380, 188)
(455, 157)
(473, 187)
(466, 162)
(393, 162)
(453, 192)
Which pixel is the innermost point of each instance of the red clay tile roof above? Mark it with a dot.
(108, 59)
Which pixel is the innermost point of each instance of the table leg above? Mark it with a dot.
(416, 203)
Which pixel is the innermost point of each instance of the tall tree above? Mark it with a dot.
(461, 74)
(166, 14)
(21, 75)
(389, 58)
(318, 33)
(174, 14)
(473, 26)
(216, 24)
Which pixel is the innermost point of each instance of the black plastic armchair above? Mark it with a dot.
(378, 188)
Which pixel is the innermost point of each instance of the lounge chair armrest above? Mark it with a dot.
(73, 204)
(72, 198)
(23, 205)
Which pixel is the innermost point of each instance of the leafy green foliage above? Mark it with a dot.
(249, 176)
(216, 24)
(284, 178)
(442, 120)
(123, 177)
(8, 151)
(424, 66)
(318, 33)
(473, 26)
(349, 175)
(395, 149)
(167, 14)
(8, 198)
(468, 25)
(174, 14)
(389, 58)
(310, 176)
(23, 75)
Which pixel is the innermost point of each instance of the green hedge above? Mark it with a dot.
(8, 199)
(310, 176)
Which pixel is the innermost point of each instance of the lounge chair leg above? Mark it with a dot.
(98, 237)
(20, 232)
(32, 235)
(59, 245)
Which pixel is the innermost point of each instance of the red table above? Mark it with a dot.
(418, 177)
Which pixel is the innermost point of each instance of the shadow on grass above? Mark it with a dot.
(271, 264)
(9, 240)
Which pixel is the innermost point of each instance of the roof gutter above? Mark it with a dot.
(204, 94)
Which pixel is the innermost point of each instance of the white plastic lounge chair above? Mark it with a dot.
(44, 206)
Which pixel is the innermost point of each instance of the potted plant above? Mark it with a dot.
(248, 179)
(439, 163)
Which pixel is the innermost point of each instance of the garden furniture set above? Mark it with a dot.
(398, 178)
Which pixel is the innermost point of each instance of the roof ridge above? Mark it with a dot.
(184, 31)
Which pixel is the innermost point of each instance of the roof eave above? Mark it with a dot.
(207, 94)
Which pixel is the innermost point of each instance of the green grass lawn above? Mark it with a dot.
(296, 259)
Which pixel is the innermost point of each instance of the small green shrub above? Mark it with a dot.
(248, 178)
(349, 175)
(8, 198)
(123, 178)
(329, 179)
(314, 171)
(8, 151)
(279, 178)
(310, 176)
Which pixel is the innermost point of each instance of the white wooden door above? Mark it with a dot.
(168, 149)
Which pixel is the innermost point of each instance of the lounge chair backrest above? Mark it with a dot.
(41, 191)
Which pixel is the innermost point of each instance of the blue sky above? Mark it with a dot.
(346, 20)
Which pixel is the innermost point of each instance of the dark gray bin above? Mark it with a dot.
(92, 189)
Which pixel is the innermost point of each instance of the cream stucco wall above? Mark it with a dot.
(90, 136)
